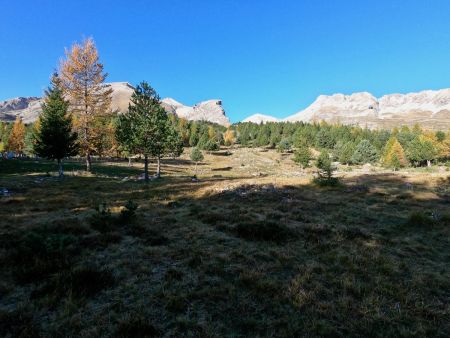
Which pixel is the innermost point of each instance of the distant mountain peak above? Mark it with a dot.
(260, 118)
(29, 108)
(429, 108)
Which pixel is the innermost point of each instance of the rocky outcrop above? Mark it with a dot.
(30, 108)
(211, 111)
(430, 109)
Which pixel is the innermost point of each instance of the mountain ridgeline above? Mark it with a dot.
(430, 109)
(29, 108)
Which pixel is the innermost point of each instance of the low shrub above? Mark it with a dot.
(128, 212)
(40, 252)
(81, 282)
(419, 219)
(136, 326)
(423, 220)
(18, 323)
(264, 231)
(102, 219)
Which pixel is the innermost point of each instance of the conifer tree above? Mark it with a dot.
(343, 152)
(146, 129)
(229, 137)
(82, 81)
(16, 142)
(325, 169)
(365, 152)
(302, 155)
(394, 155)
(421, 150)
(53, 137)
(196, 156)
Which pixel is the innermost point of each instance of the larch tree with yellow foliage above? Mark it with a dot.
(229, 137)
(394, 154)
(82, 80)
(16, 142)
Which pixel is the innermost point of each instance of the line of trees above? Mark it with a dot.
(350, 144)
(77, 118)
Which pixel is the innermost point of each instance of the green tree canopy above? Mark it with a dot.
(365, 152)
(53, 137)
(146, 129)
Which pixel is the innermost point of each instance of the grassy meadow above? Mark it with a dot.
(253, 249)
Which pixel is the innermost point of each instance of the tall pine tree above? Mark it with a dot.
(54, 138)
(146, 129)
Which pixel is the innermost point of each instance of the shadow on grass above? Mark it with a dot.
(368, 256)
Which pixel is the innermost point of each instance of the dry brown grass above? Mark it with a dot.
(252, 249)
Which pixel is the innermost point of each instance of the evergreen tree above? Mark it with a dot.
(365, 152)
(324, 139)
(146, 129)
(203, 141)
(440, 136)
(421, 150)
(193, 138)
(54, 138)
(284, 145)
(196, 156)
(325, 169)
(302, 156)
(343, 152)
(16, 142)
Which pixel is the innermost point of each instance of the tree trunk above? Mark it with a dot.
(158, 167)
(146, 168)
(60, 168)
(88, 162)
(428, 163)
(195, 172)
(129, 161)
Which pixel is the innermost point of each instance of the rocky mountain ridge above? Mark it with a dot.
(429, 108)
(29, 108)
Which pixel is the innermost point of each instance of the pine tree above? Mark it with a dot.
(196, 156)
(302, 156)
(325, 169)
(54, 138)
(16, 142)
(193, 138)
(365, 152)
(421, 150)
(343, 152)
(284, 145)
(146, 129)
(324, 139)
(82, 81)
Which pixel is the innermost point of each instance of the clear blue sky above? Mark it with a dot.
(272, 57)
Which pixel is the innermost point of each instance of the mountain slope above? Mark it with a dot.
(29, 108)
(429, 108)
